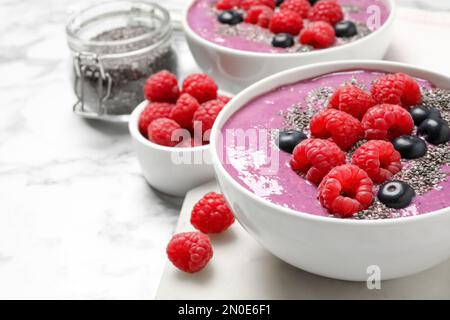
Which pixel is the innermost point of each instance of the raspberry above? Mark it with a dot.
(162, 87)
(379, 159)
(207, 113)
(189, 251)
(318, 34)
(260, 15)
(326, 10)
(224, 99)
(353, 100)
(342, 128)
(346, 190)
(227, 4)
(398, 89)
(211, 214)
(200, 86)
(153, 111)
(160, 131)
(247, 4)
(286, 21)
(184, 110)
(386, 122)
(315, 158)
(299, 6)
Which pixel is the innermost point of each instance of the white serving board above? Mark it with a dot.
(242, 269)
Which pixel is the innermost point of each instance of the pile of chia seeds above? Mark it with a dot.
(128, 74)
(423, 174)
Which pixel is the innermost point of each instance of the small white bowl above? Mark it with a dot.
(236, 69)
(336, 248)
(164, 168)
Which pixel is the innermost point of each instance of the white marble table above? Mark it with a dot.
(77, 220)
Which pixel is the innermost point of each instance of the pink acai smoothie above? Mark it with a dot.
(368, 16)
(260, 167)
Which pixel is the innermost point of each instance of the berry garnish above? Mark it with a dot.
(189, 251)
(211, 214)
(230, 17)
(346, 190)
(227, 4)
(326, 10)
(161, 130)
(247, 4)
(396, 194)
(379, 159)
(224, 99)
(342, 128)
(398, 89)
(420, 113)
(184, 110)
(435, 131)
(289, 139)
(286, 21)
(153, 111)
(259, 15)
(353, 100)
(386, 122)
(162, 87)
(345, 29)
(299, 6)
(410, 147)
(207, 113)
(283, 40)
(315, 158)
(319, 34)
(201, 86)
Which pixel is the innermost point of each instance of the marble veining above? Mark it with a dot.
(77, 219)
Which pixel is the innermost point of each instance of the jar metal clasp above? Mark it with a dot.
(90, 64)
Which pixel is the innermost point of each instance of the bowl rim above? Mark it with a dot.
(392, 6)
(340, 66)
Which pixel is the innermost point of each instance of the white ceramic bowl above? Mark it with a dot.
(335, 248)
(164, 168)
(237, 69)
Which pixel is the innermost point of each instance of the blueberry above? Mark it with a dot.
(396, 194)
(345, 29)
(283, 40)
(278, 2)
(435, 131)
(420, 113)
(231, 17)
(410, 147)
(287, 140)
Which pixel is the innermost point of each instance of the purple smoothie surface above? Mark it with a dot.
(263, 169)
(202, 18)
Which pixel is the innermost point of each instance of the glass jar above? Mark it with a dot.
(115, 47)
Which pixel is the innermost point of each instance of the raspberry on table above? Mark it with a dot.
(386, 122)
(353, 100)
(326, 10)
(346, 190)
(162, 87)
(299, 6)
(319, 34)
(224, 99)
(342, 128)
(315, 158)
(286, 21)
(207, 113)
(160, 131)
(227, 4)
(247, 4)
(201, 86)
(259, 15)
(184, 110)
(189, 251)
(379, 159)
(211, 214)
(399, 89)
(153, 111)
